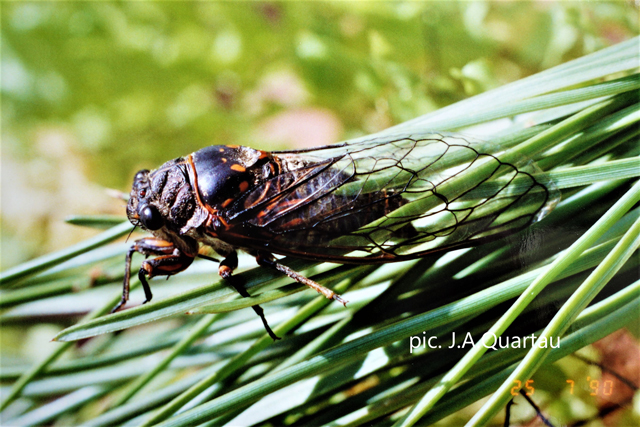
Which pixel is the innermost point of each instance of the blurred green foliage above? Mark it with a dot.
(93, 91)
(111, 87)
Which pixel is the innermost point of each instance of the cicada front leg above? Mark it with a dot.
(170, 260)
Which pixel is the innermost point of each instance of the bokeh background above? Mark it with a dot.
(93, 91)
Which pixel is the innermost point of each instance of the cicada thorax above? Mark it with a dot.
(175, 198)
(223, 174)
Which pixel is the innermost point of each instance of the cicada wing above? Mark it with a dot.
(390, 199)
(283, 193)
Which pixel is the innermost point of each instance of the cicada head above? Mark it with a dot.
(140, 209)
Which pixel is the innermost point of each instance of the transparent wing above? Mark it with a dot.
(390, 199)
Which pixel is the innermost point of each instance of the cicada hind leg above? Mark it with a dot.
(267, 260)
(169, 261)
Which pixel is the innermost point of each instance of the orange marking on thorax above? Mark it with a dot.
(193, 176)
(238, 168)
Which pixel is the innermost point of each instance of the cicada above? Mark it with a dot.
(374, 200)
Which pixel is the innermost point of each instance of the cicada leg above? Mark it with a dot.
(227, 265)
(267, 260)
(170, 261)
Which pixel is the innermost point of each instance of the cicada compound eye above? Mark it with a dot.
(150, 217)
(141, 175)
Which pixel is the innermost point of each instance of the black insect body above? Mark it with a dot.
(370, 201)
